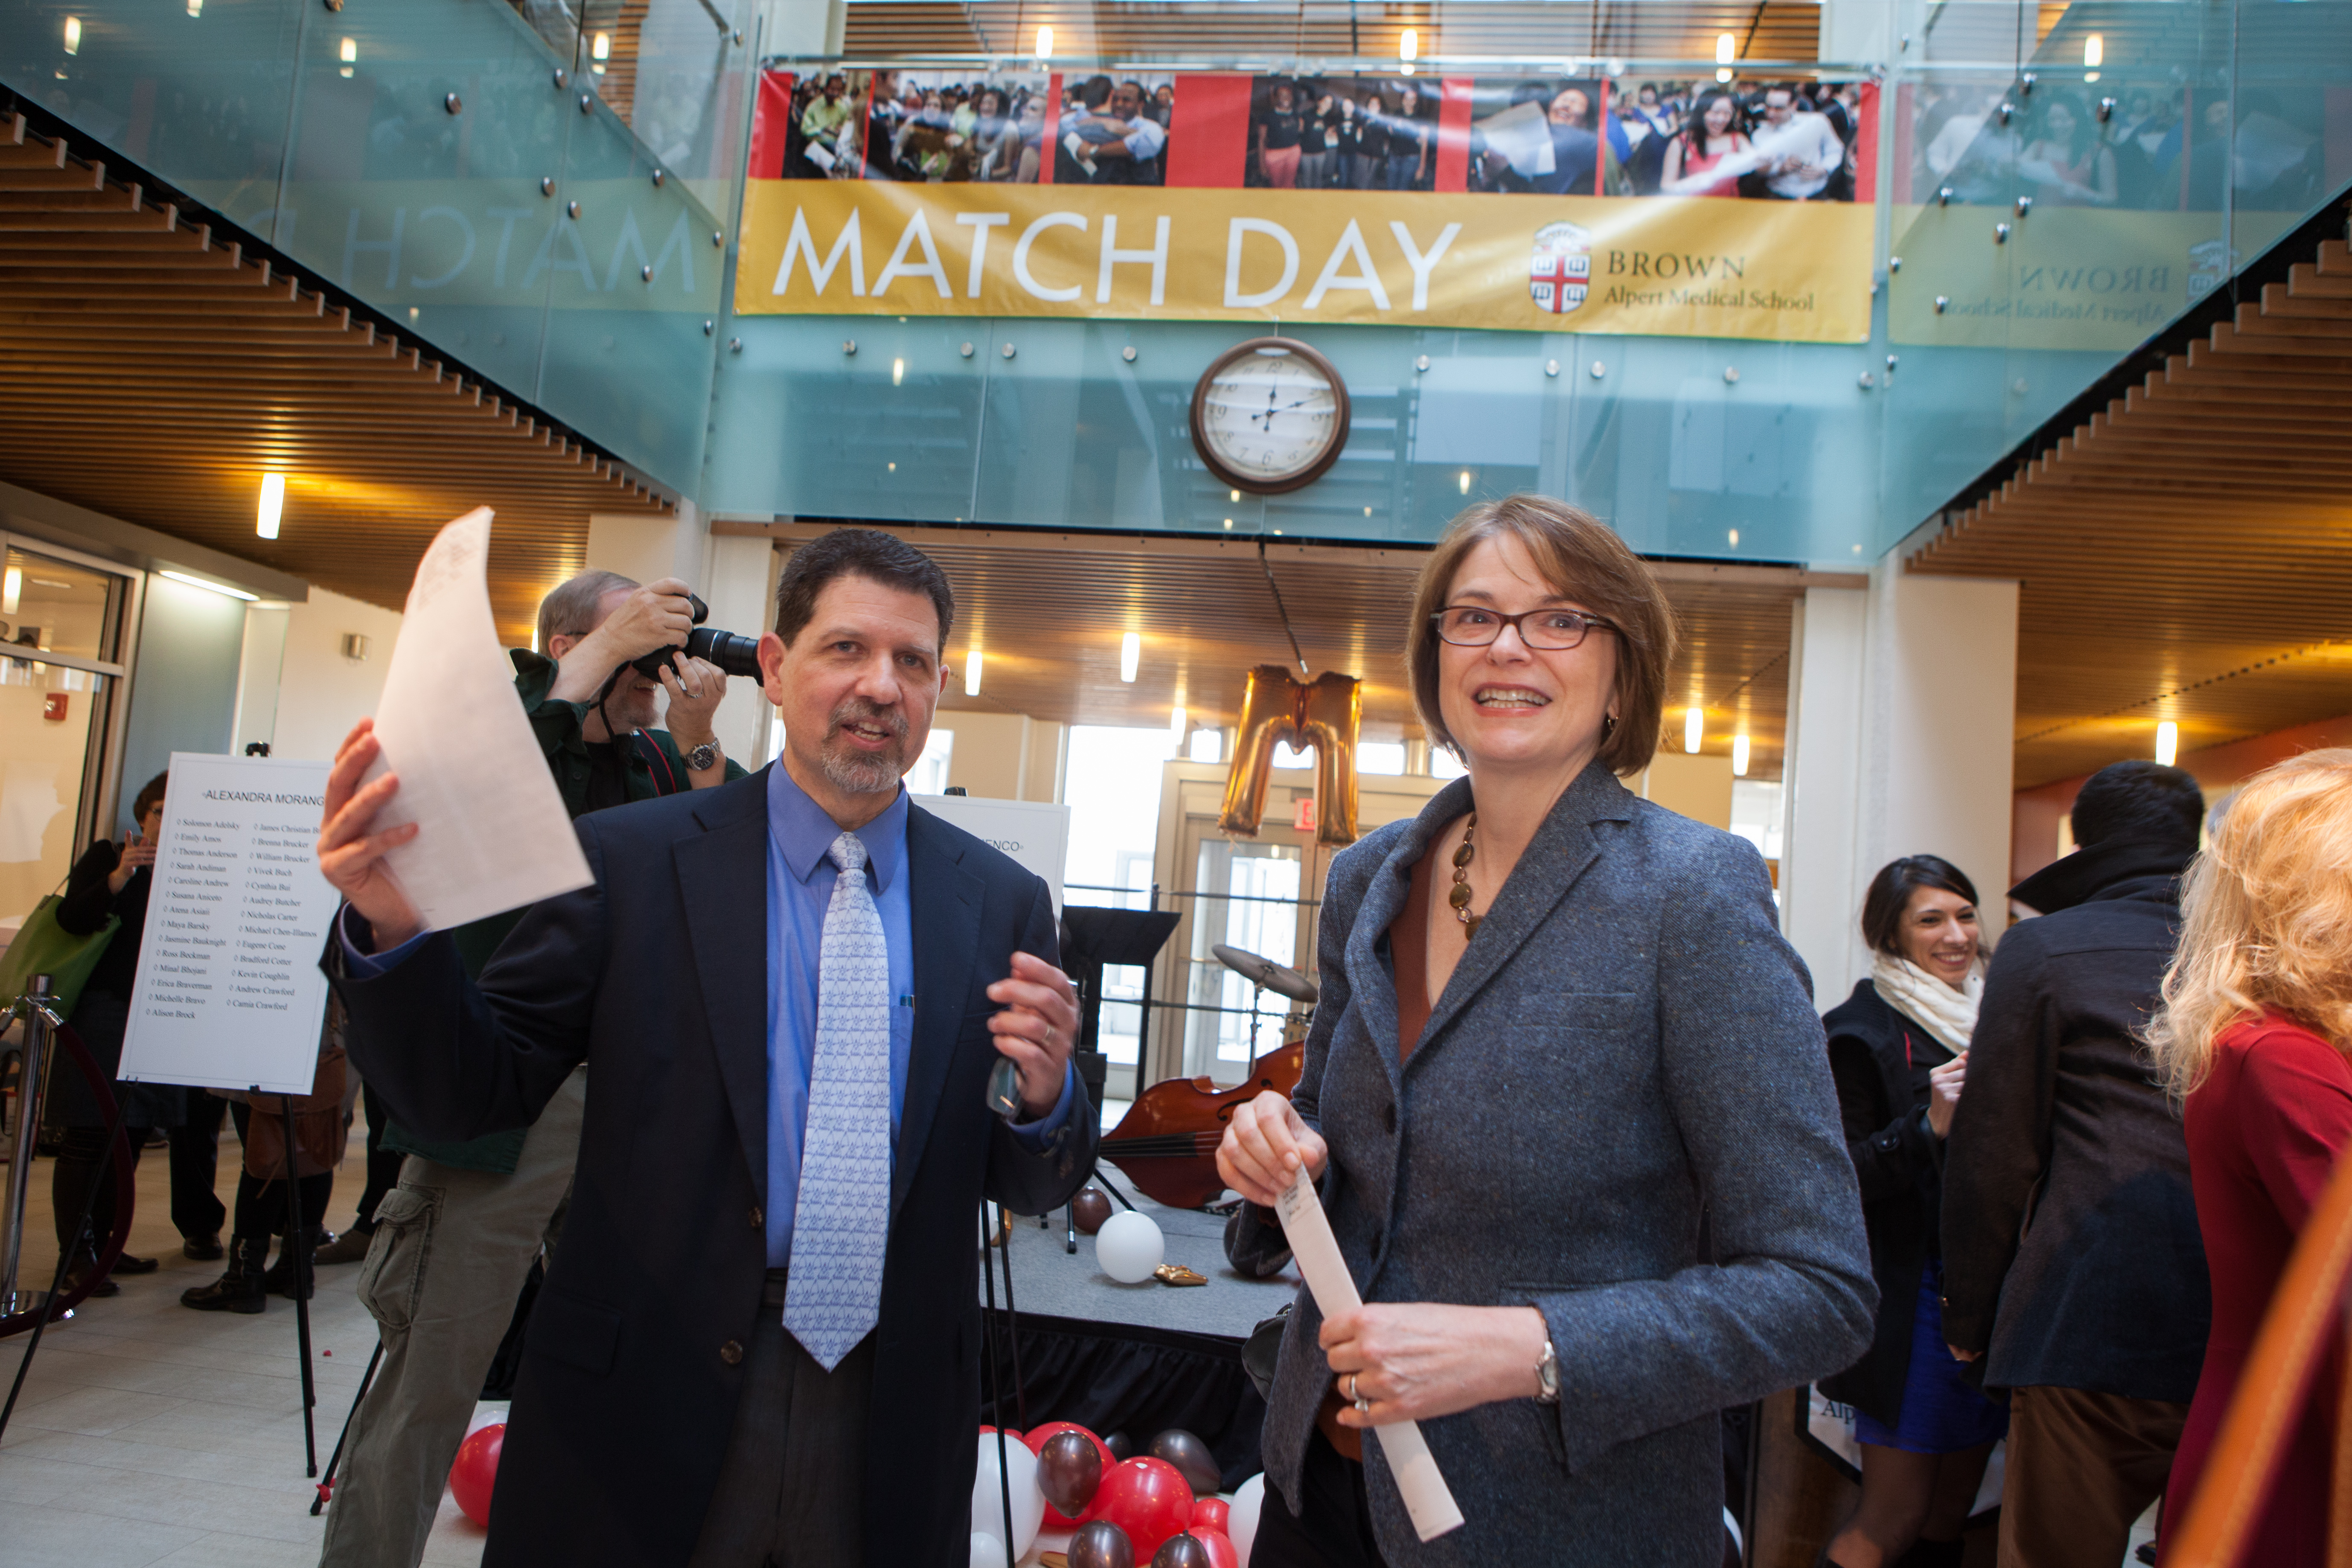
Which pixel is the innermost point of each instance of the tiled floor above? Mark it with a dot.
(151, 1434)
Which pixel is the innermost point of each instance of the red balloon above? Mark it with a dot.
(1037, 1438)
(1149, 1498)
(1219, 1546)
(1212, 1513)
(476, 1471)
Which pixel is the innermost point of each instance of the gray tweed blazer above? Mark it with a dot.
(1627, 1041)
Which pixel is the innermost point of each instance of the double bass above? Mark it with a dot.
(1167, 1142)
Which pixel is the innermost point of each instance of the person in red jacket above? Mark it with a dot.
(2252, 1041)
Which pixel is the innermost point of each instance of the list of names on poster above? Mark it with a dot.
(229, 991)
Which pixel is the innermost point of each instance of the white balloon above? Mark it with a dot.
(1241, 1519)
(988, 1497)
(1129, 1247)
(987, 1552)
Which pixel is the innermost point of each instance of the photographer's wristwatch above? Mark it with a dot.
(703, 758)
(1548, 1376)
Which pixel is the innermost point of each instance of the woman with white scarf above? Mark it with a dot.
(1899, 1049)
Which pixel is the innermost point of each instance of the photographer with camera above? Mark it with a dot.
(449, 1248)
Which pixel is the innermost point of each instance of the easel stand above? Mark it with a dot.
(297, 1226)
(334, 1460)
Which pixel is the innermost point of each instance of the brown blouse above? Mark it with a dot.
(1409, 955)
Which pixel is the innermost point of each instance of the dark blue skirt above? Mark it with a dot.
(1941, 1414)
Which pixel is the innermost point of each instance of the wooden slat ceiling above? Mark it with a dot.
(1047, 610)
(2186, 553)
(149, 370)
(1528, 30)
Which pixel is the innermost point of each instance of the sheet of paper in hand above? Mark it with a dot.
(492, 833)
(1427, 1499)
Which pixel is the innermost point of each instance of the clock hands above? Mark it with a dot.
(1271, 410)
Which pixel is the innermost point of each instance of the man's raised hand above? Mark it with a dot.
(351, 856)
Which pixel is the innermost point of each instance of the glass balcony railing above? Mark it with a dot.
(535, 192)
(2047, 187)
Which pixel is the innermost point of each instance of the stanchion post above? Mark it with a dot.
(37, 1008)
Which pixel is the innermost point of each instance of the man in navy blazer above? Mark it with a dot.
(679, 1401)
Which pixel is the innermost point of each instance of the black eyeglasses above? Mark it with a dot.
(1469, 625)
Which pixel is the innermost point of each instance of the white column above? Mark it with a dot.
(802, 28)
(1902, 716)
(738, 579)
(1822, 778)
(260, 668)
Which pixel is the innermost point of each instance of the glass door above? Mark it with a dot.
(1257, 895)
(63, 620)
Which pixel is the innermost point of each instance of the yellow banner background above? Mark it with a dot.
(1674, 266)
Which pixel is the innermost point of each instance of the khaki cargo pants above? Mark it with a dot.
(450, 1252)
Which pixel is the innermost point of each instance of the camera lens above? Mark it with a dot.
(735, 655)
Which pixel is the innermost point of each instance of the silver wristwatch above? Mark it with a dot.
(1548, 1376)
(703, 757)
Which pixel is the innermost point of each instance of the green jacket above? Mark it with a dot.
(654, 768)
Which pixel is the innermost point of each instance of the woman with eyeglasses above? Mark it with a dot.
(1558, 1023)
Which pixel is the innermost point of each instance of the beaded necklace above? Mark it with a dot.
(1459, 895)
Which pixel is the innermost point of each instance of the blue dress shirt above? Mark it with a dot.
(800, 889)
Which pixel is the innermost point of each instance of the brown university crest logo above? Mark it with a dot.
(1561, 269)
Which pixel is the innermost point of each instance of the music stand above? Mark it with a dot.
(1092, 939)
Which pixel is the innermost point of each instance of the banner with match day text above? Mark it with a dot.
(1538, 209)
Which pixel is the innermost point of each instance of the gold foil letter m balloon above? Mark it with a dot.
(1276, 707)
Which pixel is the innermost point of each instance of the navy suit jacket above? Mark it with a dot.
(656, 973)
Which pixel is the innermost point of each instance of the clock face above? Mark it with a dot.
(1270, 415)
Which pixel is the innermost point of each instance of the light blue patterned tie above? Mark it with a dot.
(843, 1218)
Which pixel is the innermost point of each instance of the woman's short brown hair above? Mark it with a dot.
(1582, 559)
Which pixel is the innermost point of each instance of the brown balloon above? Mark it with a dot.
(1120, 1444)
(1181, 1551)
(1069, 1469)
(1325, 715)
(1091, 1208)
(1099, 1544)
(1192, 1458)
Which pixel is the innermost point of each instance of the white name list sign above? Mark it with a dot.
(229, 994)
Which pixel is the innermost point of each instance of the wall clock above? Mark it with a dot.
(1269, 416)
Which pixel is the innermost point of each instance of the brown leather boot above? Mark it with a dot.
(240, 1289)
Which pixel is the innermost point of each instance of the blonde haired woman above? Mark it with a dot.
(2253, 1039)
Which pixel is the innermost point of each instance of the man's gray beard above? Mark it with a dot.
(860, 775)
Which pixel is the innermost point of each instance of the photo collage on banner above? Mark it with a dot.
(1636, 205)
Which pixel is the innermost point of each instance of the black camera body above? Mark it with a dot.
(733, 653)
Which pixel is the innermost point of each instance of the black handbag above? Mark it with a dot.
(1263, 1348)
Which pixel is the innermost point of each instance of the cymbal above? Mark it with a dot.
(1280, 979)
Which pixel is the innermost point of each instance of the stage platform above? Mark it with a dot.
(1051, 1282)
